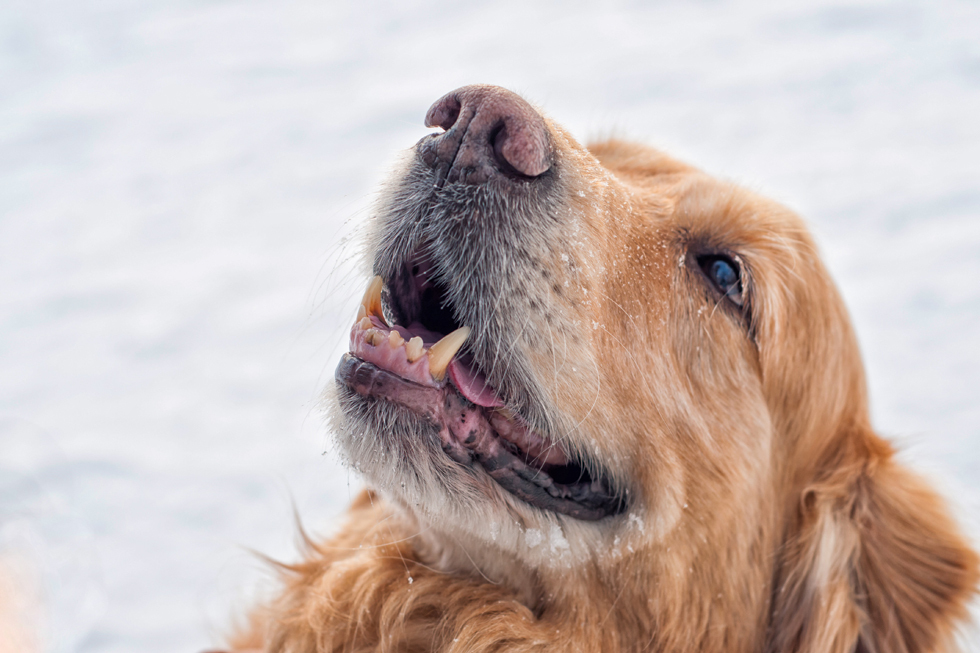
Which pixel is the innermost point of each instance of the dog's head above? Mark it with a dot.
(603, 371)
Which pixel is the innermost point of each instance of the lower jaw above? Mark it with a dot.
(467, 438)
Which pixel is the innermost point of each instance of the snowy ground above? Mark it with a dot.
(175, 178)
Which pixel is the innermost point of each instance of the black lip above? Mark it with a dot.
(589, 499)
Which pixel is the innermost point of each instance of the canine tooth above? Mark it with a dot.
(361, 312)
(372, 299)
(365, 323)
(443, 351)
(396, 339)
(374, 337)
(414, 349)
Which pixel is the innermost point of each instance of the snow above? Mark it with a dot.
(533, 537)
(177, 178)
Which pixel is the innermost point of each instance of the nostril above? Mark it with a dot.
(497, 139)
(510, 161)
(525, 150)
(443, 114)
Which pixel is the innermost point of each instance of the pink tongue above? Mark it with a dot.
(473, 385)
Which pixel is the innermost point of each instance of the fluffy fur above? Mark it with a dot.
(764, 512)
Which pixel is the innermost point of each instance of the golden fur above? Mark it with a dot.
(771, 517)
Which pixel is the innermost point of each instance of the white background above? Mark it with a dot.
(175, 179)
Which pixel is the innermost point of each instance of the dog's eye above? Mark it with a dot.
(724, 274)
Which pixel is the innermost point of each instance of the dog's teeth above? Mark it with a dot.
(374, 337)
(443, 351)
(372, 300)
(365, 323)
(361, 312)
(395, 339)
(414, 349)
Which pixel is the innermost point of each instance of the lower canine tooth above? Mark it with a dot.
(365, 323)
(443, 351)
(414, 349)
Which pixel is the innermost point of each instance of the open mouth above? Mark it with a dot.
(425, 368)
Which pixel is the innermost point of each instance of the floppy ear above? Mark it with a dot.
(874, 565)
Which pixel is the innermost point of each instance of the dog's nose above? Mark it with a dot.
(488, 131)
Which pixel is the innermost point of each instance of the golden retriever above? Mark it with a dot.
(606, 402)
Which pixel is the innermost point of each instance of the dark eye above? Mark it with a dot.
(724, 273)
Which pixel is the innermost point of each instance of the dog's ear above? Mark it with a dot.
(873, 563)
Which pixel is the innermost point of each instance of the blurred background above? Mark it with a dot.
(178, 180)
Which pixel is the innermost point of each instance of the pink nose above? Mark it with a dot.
(488, 131)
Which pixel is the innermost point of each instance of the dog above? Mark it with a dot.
(607, 402)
